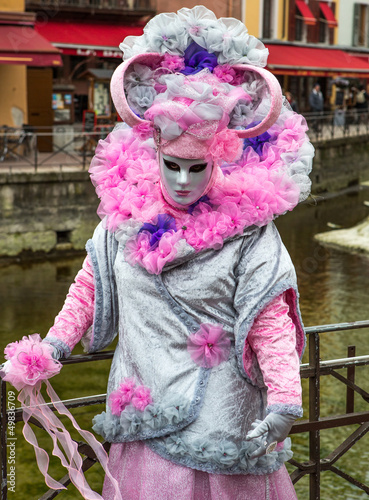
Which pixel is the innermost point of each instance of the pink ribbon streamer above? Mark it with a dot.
(34, 405)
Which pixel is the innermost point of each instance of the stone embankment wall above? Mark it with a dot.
(340, 163)
(46, 212)
(53, 212)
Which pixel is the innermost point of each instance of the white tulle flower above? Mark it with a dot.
(166, 33)
(172, 33)
(126, 230)
(240, 115)
(257, 53)
(227, 33)
(198, 22)
(140, 98)
(133, 45)
(243, 49)
(255, 86)
(304, 156)
(139, 75)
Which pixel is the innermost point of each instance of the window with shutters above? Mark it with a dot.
(323, 31)
(267, 19)
(361, 25)
(300, 27)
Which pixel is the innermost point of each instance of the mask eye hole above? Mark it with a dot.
(200, 167)
(171, 165)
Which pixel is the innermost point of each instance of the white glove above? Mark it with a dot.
(5, 367)
(273, 429)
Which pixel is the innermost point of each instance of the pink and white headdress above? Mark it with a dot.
(200, 129)
(186, 93)
(191, 69)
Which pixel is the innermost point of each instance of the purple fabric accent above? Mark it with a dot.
(143, 475)
(203, 199)
(164, 224)
(257, 143)
(272, 340)
(197, 59)
(77, 313)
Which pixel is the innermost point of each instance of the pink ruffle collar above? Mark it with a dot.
(270, 178)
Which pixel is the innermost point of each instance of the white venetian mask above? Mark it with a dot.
(184, 180)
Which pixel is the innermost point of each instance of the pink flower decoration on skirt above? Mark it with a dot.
(209, 346)
(141, 398)
(122, 397)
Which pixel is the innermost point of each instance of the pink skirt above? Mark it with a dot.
(144, 475)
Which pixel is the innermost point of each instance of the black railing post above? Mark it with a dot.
(350, 393)
(36, 136)
(314, 414)
(3, 438)
(84, 146)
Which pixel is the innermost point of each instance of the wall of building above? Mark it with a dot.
(13, 93)
(12, 5)
(346, 20)
(252, 16)
(253, 10)
(13, 90)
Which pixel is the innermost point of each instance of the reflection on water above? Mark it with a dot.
(333, 288)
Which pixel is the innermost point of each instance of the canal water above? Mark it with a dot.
(333, 288)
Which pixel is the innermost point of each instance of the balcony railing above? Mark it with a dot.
(313, 370)
(108, 5)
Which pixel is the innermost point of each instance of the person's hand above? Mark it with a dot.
(272, 430)
(4, 368)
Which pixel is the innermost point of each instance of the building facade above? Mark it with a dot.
(308, 40)
(312, 41)
(26, 62)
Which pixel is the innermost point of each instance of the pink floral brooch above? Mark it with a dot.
(209, 346)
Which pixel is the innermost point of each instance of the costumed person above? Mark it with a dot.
(188, 269)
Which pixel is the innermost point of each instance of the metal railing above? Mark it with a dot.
(337, 124)
(313, 370)
(28, 150)
(24, 148)
(125, 5)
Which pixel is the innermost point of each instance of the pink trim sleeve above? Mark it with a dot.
(77, 313)
(273, 339)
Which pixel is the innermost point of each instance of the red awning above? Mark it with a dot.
(23, 45)
(307, 61)
(305, 12)
(87, 38)
(328, 14)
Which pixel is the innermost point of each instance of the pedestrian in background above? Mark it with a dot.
(292, 102)
(361, 103)
(316, 101)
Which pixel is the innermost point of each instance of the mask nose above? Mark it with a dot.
(183, 177)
